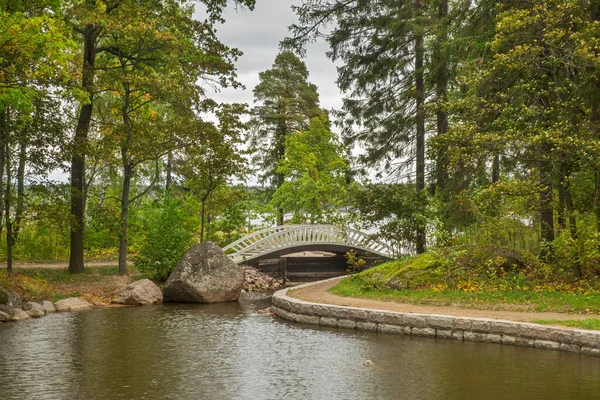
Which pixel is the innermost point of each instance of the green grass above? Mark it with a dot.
(56, 275)
(590, 323)
(497, 299)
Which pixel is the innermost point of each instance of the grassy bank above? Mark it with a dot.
(484, 279)
(95, 284)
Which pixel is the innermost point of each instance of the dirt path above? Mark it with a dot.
(318, 294)
(59, 265)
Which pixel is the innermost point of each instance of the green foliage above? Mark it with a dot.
(314, 172)
(355, 263)
(287, 103)
(479, 275)
(168, 233)
(394, 211)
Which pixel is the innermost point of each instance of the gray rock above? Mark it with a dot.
(547, 344)
(19, 315)
(415, 320)
(48, 306)
(425, 332)
(330, 322)
(204, 275)
(386, 328)
(440, 322)
(35, 310)
(366, 326)
(72, 304)
(139, 293)
(9, 298)
(6, 309)
(4, 317)
(346, 324)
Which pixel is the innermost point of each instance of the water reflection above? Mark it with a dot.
(228, 351)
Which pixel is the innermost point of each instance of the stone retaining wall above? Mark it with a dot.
(432, 325)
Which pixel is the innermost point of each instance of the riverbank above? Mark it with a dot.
(99, 282)
(320, 293)
(312, 304)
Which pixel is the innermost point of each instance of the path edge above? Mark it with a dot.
(472, 329)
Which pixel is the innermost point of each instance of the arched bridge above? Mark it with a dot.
(286, 239)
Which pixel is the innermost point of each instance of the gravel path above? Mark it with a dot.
(318, 294)
(92, 264)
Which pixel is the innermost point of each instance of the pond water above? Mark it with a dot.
(227, 351)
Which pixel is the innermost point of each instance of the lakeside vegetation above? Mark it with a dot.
(95, 283)
(483, 278)
(480, 122)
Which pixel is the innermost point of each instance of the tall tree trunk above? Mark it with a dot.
(127, 176)
(202, 218)
(441, 87)
(546, 211)
(3, 140)
(595, 119)
(420, 126)
(20, 188)
(169, 170)
(9, 234)
(76, 264)
(127, 172)
(281, 133)
(496, 168)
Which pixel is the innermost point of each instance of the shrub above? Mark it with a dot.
(167, 233)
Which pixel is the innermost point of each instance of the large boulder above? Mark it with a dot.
(9, 298)
(72, 304)
(139, 293)
(204, 275)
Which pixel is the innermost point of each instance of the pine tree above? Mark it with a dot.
(287, 102)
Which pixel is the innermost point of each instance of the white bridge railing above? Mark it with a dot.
(285, 237)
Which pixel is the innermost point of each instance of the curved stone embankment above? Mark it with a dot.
(436, 326)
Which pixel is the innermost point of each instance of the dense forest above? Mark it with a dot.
(464, 124)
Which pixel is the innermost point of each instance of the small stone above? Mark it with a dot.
(590, 351)
(368, 363)
(35, 310)
(387, 328)
(4, 317)
(444, 333)
(366, 326)
(440, 322)
(425, 332)
(415, 320)
(572, 348)
(72, 304)
(139, 293)
(329, 322)
(19, 315)
(347, 324)
(48, 306)
(547, 344)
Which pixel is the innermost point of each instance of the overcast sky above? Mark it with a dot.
(257, 34)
